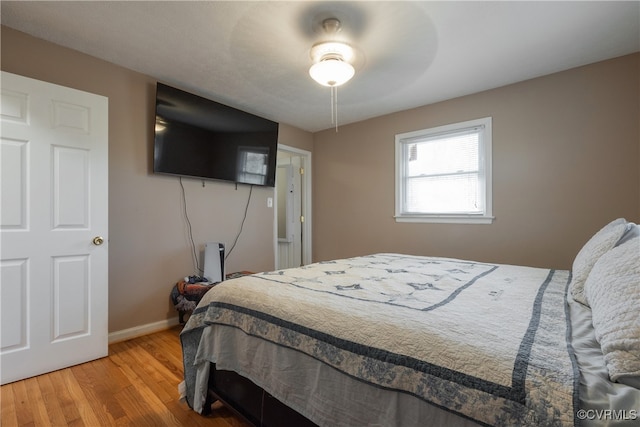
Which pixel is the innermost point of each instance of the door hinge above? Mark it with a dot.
(301, 171)
(301, 218)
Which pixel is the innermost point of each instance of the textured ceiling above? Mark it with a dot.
(255, 55)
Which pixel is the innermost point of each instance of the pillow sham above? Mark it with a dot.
(605, 239)
(613, 292)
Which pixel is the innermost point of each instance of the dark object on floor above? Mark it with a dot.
(186, 296)
(187, 293)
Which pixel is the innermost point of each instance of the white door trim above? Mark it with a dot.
(307, 256)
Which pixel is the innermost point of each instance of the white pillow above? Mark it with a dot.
(633, 230)
(599, 244)
(613, 292)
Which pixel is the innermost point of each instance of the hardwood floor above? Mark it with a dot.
(136, 385)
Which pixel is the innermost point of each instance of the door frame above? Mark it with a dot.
(307, 228)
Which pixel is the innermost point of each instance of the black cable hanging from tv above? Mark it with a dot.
(246, 209)
(199, 271)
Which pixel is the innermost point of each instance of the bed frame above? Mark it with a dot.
(250, 402)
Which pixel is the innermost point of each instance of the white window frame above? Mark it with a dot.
(485, 175)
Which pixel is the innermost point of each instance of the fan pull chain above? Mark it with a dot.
(334, 106)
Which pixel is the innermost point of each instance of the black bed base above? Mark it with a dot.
(250, 402)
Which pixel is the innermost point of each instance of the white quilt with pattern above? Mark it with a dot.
(486, 341)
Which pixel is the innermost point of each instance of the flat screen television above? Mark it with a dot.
(200, 138)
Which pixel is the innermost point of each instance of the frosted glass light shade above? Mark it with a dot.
(331, 72)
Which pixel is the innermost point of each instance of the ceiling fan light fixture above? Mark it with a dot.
(331, 72)
(331, 66)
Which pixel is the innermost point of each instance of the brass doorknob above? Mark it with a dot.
(98, 240)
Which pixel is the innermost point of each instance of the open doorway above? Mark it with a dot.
(293, 208)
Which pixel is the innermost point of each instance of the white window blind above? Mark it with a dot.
(444, 173)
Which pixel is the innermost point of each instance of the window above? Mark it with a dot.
(443, 174)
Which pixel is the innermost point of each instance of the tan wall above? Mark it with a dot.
(565, 162)
(149, 249)
(294, 137)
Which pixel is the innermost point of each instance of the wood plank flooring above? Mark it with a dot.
(136, 385)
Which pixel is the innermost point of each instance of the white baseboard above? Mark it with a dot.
(138, 331)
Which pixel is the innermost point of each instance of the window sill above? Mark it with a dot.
(446, 219)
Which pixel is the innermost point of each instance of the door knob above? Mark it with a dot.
(98, 240)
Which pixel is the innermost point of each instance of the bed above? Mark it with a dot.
(398, 340)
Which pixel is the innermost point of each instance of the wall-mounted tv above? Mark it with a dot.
(198, 137)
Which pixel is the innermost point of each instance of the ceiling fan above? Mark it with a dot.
(331, 63)
(331, 58)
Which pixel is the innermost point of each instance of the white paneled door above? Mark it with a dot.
(53, 227)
